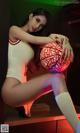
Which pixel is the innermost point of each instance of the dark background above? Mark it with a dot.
(66, 20)
(4, 26)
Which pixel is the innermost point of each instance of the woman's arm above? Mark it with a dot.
(18, 33)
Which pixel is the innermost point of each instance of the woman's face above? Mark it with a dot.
(36, 23)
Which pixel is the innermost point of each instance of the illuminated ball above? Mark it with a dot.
(50, 58)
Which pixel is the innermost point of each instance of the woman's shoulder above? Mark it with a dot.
(13, 31)
(14, 27)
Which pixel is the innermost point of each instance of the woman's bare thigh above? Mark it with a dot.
(15, 93)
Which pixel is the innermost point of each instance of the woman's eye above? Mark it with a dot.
(37, 19)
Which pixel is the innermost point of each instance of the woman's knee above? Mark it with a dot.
(59, 76)
(59, 84)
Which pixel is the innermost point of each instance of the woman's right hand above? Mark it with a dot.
(58, 38)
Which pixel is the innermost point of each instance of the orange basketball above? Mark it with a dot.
(50, 58)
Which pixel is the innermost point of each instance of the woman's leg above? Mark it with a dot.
(28, 105)
(22, 92)
(65, 103)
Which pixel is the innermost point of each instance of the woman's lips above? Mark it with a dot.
(33, 29)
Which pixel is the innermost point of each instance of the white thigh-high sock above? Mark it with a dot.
(78, 128)
(65, 104)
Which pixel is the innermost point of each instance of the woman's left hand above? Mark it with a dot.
(64, 41)
(67, 50)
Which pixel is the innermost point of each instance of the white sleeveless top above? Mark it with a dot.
(19, 54)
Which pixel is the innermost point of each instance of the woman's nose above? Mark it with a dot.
(37, 25)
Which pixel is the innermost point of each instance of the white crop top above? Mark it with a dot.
(19, 54)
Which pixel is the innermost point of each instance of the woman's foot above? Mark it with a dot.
(21, 112)
(27, 108)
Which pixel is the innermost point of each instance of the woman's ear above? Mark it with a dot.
(30, 16)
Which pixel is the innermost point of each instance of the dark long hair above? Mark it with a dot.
(35, 12)
(43, 32)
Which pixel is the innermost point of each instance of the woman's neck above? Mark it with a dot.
(25, 28)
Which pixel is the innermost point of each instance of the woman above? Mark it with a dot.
(16, 91)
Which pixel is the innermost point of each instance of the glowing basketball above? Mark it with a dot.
(50, 58)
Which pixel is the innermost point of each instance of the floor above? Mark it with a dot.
(46, 117)
(43, 107)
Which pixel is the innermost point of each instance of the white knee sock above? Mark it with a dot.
(65, 104)
(78, 128)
